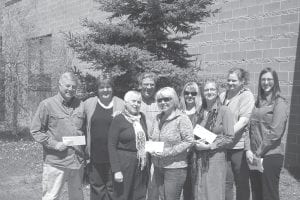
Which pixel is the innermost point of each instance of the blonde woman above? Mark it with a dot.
(175, 129)
(191, 101)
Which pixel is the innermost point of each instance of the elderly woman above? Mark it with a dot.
(127, 138)
(99, 111)
(211, 158)
(267, 127)
(191, 101)
(175, 129)
(240, 102)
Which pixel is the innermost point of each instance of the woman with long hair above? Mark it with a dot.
(191, 101)
(211, 158)
(267, 127)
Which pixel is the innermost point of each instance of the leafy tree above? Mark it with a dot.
(142, 35)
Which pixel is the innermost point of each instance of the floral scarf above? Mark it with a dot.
(140, 137)
(207, 122)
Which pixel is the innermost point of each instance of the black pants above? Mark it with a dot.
(238, 173)
(265, 186)
(100, 181)
(134, 185)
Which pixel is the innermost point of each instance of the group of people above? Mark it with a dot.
(248, 132)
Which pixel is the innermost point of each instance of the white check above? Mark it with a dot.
(205, 134)
(152, 146)
(73, 140)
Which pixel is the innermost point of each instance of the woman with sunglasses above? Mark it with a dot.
(211, 158)
(240, 102)
(190, 100)
(267, 127)
(175, 129)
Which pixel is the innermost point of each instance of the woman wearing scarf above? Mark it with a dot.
(126, 147)
(211, 158)
(191, 101)
(175, 129)
(99, 112)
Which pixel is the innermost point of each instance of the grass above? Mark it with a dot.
(21, 168)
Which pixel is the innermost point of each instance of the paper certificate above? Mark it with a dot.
(152, 146)
(204, 134)
(73, 140)
(257, 164)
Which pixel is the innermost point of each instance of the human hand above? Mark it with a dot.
(157, 154)
(60, 146)
(118, 176)
(213, 146)
(116, 113)
(200, 145)
(249, 156)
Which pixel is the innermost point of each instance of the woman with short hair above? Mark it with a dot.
(99, 112)
(267, 127)
(175, 129)
(126, 147)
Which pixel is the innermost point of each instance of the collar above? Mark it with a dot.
(63, 101)
(191, 111)
(172, 116)
(149, 102)
(110, 105)
(229, 100)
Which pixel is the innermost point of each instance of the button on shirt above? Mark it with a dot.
(53, 120)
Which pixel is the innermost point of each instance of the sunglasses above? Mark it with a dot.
(165, 99)
(190, 93)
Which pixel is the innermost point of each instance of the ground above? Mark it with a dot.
(21, 168)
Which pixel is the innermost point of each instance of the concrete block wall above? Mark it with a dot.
(251, 34)
(254, 34)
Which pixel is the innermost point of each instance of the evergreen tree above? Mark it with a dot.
(143, 35)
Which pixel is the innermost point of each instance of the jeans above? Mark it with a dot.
(238, 173)
(265, 186)
(169, 182)
(54, 179)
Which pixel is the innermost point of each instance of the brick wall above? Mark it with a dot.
(254, 34)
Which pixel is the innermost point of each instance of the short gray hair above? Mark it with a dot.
(69, 76)
(128, 96)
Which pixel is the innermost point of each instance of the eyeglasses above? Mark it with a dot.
(190, 93)
(165, 99)
(267, 79)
